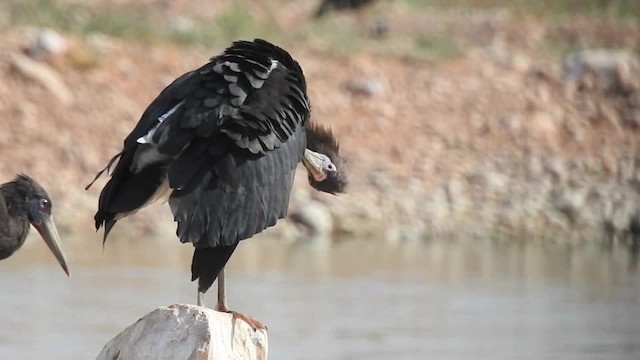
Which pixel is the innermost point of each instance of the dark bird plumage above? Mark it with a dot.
(23, 202)
(222, 143)
(327, 6)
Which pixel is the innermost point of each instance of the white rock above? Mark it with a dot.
(47, 42)
(316, 219)
(182, 25)
(187, 332)
(607, 64)
(366, 87)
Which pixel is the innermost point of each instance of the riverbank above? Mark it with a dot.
(495, 139)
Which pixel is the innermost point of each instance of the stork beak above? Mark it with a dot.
(49, 233)
(313, 162)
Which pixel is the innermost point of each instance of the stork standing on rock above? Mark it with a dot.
(22, 202)
(222, 143)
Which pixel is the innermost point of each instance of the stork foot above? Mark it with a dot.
(255, 324)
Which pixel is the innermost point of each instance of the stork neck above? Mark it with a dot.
(5, 220)
(13, 230)
(6, 242)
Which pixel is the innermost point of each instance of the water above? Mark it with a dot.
(439, 300)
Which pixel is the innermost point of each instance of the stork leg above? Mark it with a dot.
(200, 298)
(222, 306)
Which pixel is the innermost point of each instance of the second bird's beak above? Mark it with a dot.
(49, 233)
(313, 162)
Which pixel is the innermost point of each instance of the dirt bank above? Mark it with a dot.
(493, 142)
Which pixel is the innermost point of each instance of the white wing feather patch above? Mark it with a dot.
(235, 90)
(274, 64)
(147, 139)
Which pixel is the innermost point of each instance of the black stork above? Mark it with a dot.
(376, 28)
(22, 202)
(222, 143)
(327, 6)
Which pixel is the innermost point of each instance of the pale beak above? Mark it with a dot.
(313, 161)
(49, 233)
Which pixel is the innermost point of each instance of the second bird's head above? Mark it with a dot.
(36, 204)
(326, 169)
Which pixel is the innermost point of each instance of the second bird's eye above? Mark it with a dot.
(45, 205)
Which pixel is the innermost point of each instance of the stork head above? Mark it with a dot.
(34, 199)
(325, 167)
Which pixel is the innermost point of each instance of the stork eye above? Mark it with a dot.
(330, 167)
(45, 206)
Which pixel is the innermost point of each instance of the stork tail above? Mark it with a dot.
(106, 168)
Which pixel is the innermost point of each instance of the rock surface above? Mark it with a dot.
(47, 42)
(608, 65)
(187, 332)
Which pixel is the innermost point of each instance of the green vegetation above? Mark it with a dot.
(135, 22)
(413, 38)
(437, 47)
(616, 9)
(77, 18)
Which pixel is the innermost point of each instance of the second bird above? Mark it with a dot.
(222, 143)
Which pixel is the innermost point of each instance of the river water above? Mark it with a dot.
(359, 300)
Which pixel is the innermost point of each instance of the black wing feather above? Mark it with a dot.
(125, 192)
(168, 98)
(241, 195)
